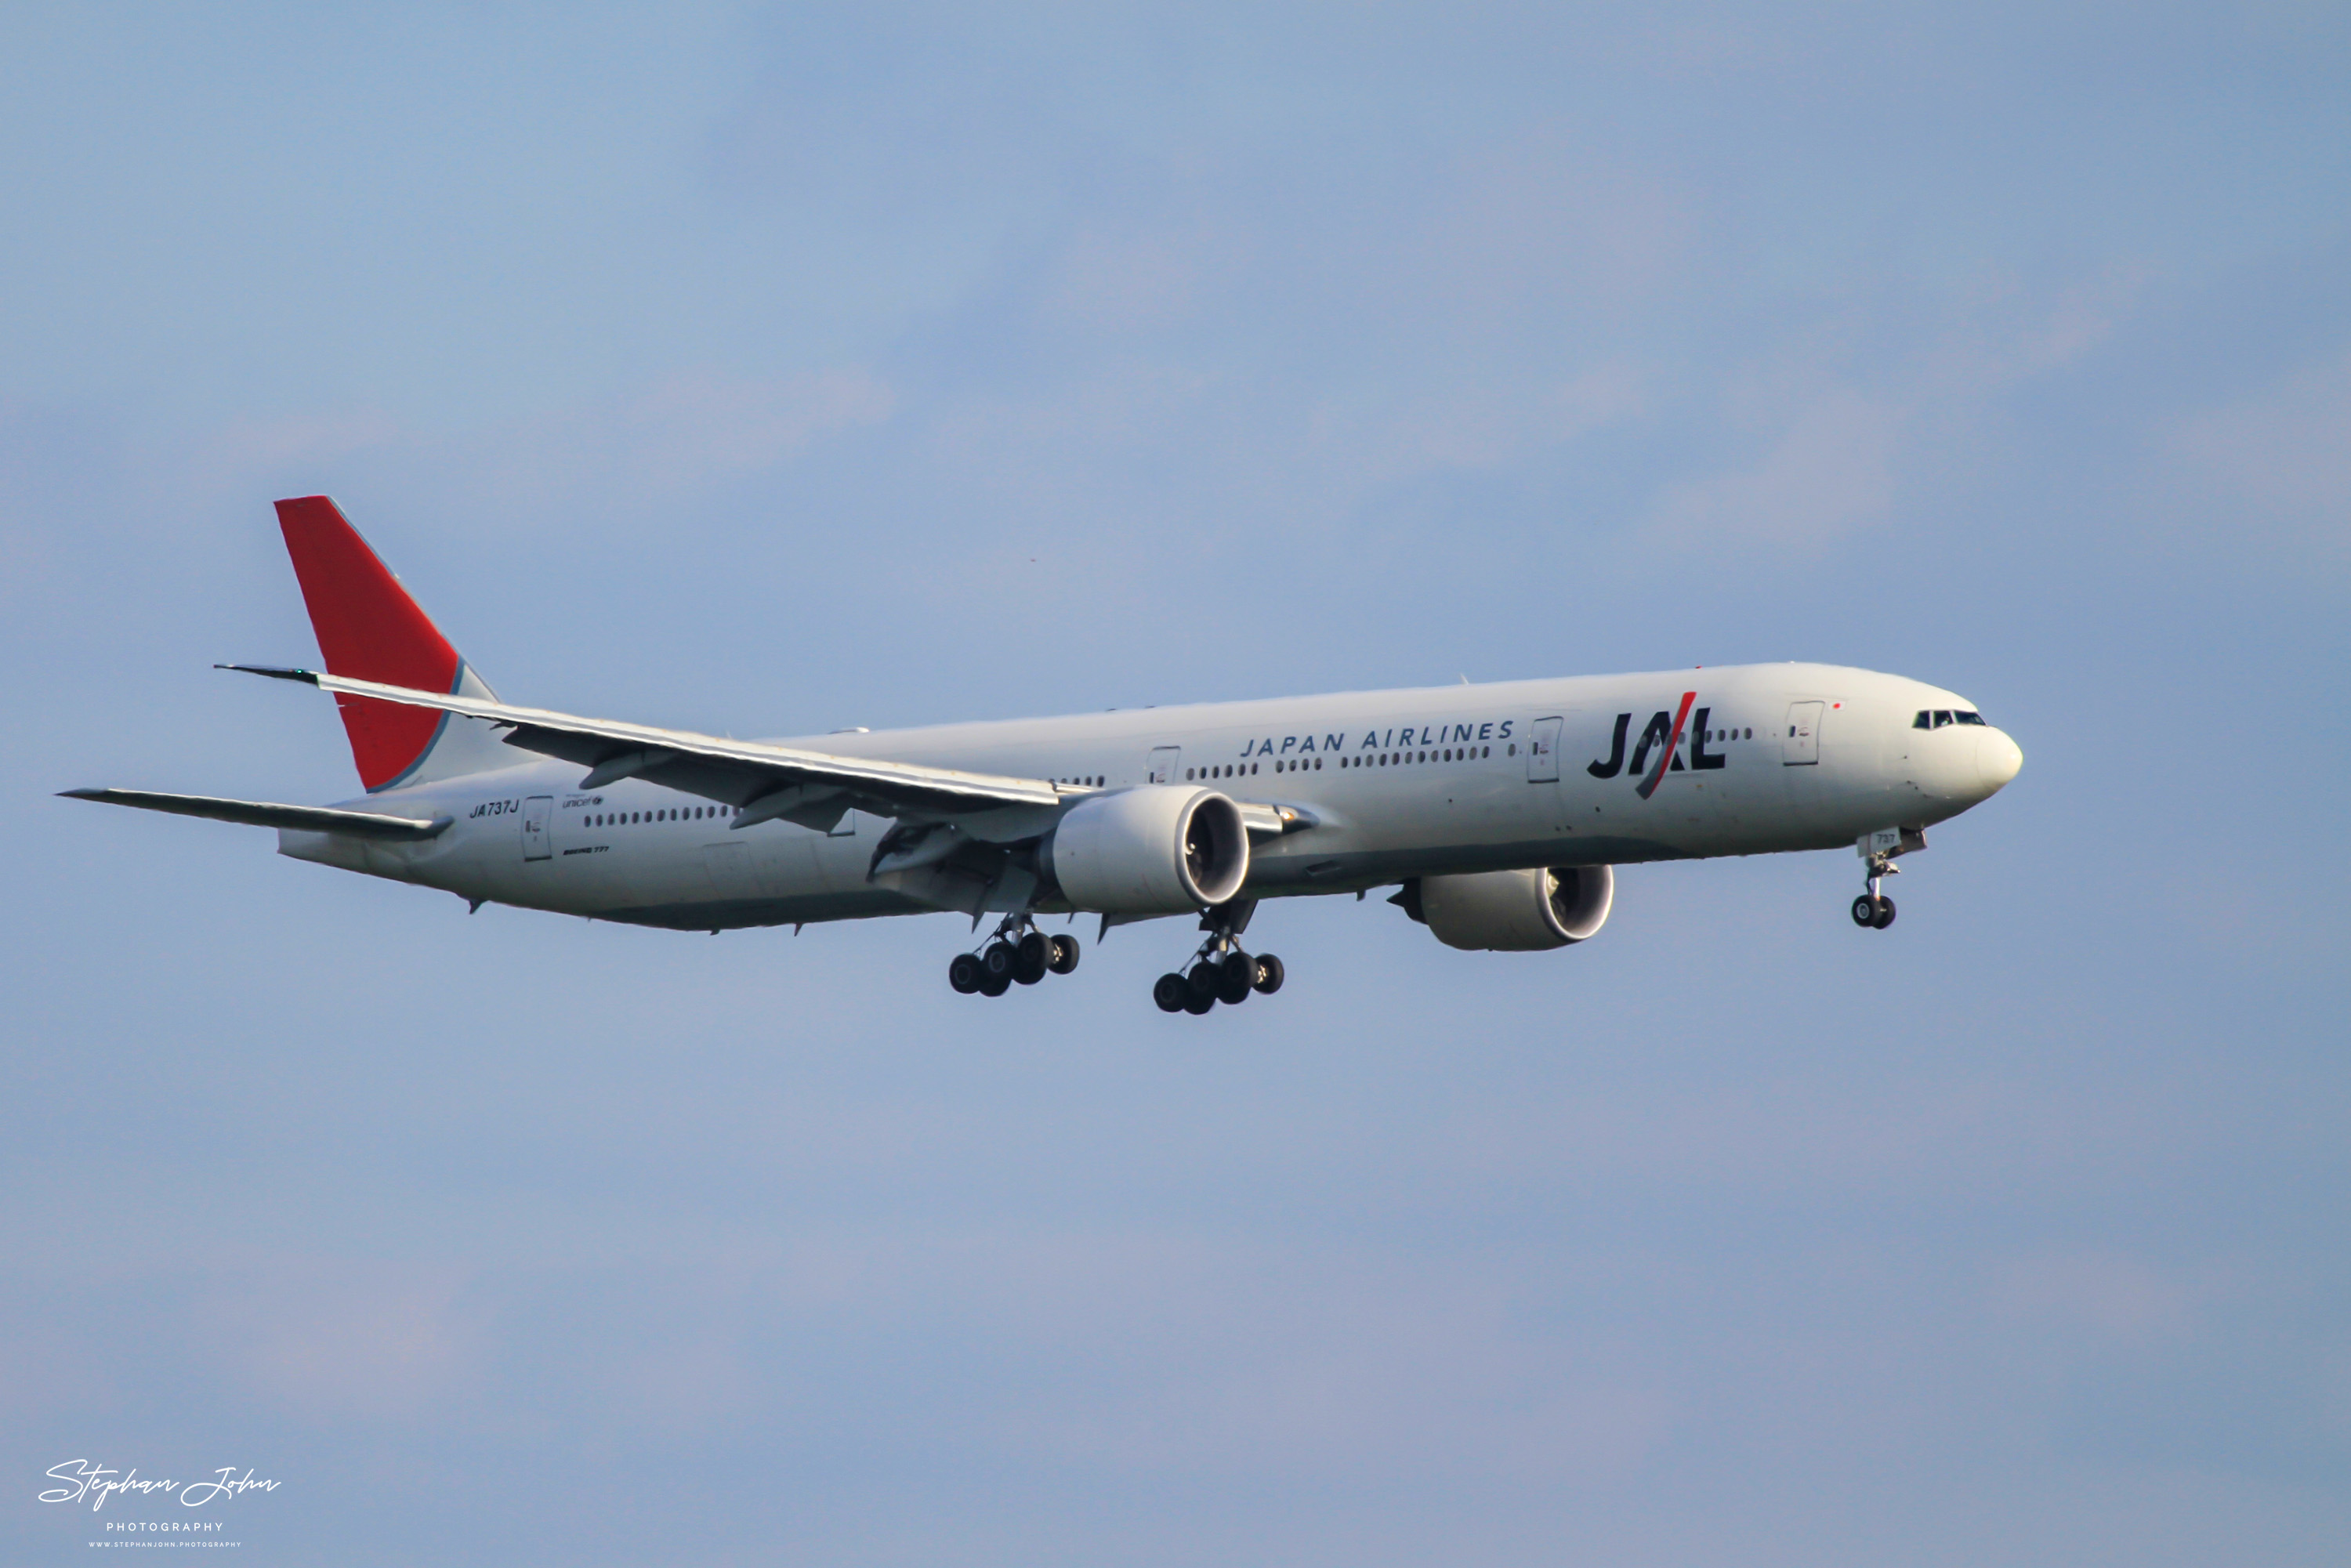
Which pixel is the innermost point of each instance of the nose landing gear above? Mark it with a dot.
(1017, 955)
(1219, 971)
(1873, 910)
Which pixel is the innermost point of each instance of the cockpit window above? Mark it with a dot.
(1942, 716)
(1922, 721)
(1967, 717)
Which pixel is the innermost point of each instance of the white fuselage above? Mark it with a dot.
(1395, 784)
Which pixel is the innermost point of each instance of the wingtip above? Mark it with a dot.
(276, 673)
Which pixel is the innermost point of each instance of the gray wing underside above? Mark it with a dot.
(766, 781)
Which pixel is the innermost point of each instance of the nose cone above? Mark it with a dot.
(1997, 760)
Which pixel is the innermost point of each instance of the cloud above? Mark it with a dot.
(1844, 444)
(1829, 472)
(2113, 1298)
(1487, 424)
(2279, 464)
(671, 438)
(334, 1337)
(685, 430)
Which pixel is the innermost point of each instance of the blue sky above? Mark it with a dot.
(776, 370)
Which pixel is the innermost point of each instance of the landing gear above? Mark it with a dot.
(1219, 971)
(1030, 958)
(1237, 980)
(1019, 954)
(964, 974)
(1873, 910)
(1171, 993)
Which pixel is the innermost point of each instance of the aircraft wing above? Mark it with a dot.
(269, 814)
(811, 788)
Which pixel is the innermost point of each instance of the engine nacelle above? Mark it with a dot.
(1518, 911)
(1161, 849)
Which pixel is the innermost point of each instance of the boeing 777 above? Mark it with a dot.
(1495, 812)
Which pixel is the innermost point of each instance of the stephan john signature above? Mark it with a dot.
(99, 1483)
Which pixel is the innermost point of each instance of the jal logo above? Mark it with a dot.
(1663, 735)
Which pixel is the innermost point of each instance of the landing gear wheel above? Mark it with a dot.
(1885, 913)
(1203, 981)
(998, 958)
(964, 974)
(1196, 1002)
(1065, 955)
(1268, 974)
(994, 985)
(1171, 993)
(1031, 957)
(1864, 912)
(1234, 978)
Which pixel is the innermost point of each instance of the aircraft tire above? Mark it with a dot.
(1065, 955)
(1196, 1002)
(1030, 958)
(998, 958)
(964, 974)
(995, 984)
(1864, 912)
(1171, 993)
(1268, 974)
(1884, 917)
(1240, 972)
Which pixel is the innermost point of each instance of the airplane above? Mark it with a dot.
(1496, 811)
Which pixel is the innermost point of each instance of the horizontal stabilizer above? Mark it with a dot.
(266, 814)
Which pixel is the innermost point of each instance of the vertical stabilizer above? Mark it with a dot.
(370, 629)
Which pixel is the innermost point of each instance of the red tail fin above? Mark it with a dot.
(368, 628)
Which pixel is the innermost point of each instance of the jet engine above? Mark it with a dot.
(1518, 911)
(1161, 849)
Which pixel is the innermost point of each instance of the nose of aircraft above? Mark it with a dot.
(1998, 759)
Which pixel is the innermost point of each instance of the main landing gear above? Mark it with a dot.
(1219, 971)
(1873, 910)
(1017, 955)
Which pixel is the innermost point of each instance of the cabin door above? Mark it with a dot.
(536, 813)
(1801, 746)
(1543, 752)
